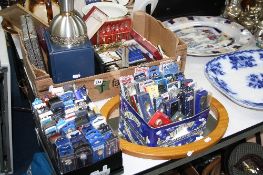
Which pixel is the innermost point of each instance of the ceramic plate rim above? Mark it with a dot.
(257, 107)
(122, 2)
(106, 4)
(210, 23)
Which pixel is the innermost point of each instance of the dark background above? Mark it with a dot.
(174, 8)
(167, 9)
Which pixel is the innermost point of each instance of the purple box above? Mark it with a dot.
(134, 129)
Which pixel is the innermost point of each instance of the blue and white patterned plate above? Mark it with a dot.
(239, 76)
(209, 36)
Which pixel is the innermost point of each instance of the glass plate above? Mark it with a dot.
(209, 36)
(239, 76)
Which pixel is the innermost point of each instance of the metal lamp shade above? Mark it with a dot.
(68, 29)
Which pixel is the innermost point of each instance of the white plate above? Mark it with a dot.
(122, 2)
(209, 36)
(113, 10)
(239, 76)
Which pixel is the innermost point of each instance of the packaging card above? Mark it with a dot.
(94, 19)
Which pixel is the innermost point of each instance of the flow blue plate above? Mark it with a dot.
(239, 76)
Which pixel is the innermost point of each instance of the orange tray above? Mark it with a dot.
(219, 112)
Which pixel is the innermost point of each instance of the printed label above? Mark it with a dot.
(76, 76)
(98, 82)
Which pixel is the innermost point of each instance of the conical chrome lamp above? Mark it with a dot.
(68, 29)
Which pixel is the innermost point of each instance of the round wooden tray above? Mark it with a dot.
(173, 152)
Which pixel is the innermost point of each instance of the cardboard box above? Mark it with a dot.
(104, 85)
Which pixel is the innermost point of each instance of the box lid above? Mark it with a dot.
(94, 19)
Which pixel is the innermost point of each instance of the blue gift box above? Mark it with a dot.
(66, 64)
(134, 129)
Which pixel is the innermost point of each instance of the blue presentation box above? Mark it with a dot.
(66, 64)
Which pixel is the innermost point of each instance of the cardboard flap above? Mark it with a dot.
(140, 23)
(154, 31)
(12, 14)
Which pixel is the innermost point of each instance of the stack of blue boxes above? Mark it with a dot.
(77, 135)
